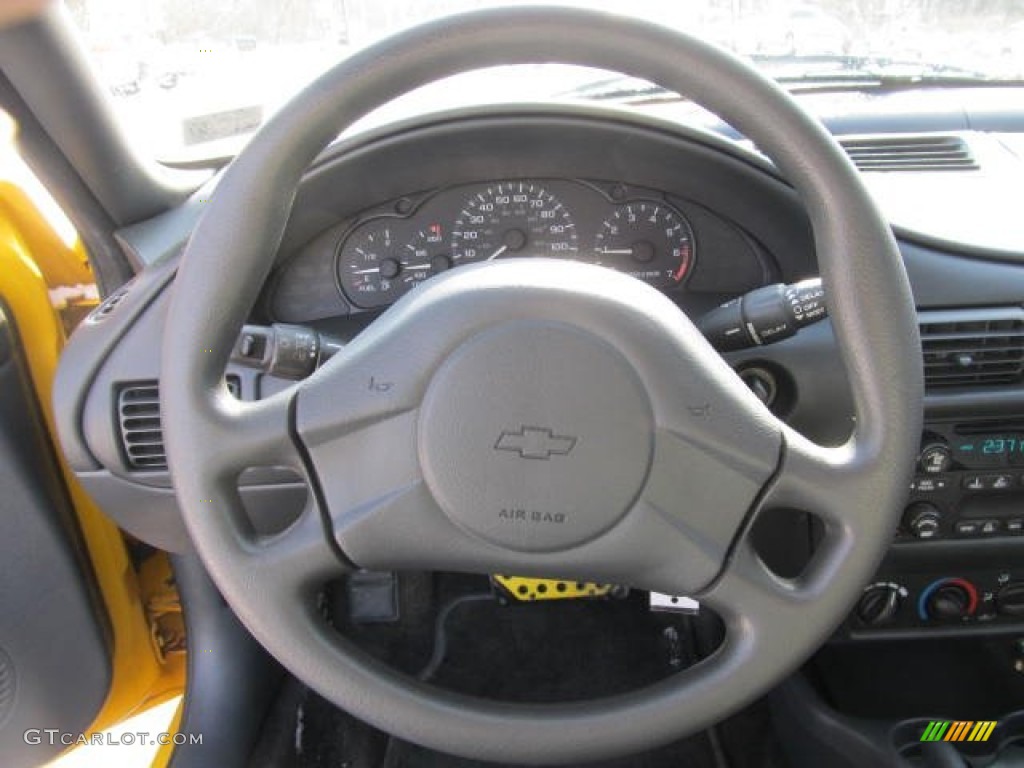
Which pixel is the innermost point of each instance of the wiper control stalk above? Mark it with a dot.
(764, 316)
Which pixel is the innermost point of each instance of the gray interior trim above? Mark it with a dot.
(71, 106)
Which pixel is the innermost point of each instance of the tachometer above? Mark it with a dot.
(513, 218)
(648, 240)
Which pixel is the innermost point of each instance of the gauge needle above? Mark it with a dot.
(617, 251)
(371, 271)
(497, 253)
(414, 267)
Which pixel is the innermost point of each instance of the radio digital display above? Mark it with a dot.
(998, 450)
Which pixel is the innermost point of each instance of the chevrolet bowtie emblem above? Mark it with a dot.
(535, 443)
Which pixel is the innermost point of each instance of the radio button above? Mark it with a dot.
(967, 528)
(929, 484)
(973, 482)
(990, 527)
(999, 482)
(1015, 526)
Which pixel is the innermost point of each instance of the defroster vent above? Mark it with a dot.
(910, 153)
(973, 348)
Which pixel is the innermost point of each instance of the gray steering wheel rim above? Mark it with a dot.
(872, 313)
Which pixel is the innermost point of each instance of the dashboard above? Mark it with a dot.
(701, 218)
(698, 225)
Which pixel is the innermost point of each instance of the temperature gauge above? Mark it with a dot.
(424, 256)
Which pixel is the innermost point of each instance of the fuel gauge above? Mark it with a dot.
(369, 263)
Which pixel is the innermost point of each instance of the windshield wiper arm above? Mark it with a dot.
(881, 82)
(627, 89)
(838, 73)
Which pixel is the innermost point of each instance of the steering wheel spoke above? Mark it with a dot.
(301, 557)
(250, 434)
(837, 484)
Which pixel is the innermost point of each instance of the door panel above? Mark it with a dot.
(55, 664)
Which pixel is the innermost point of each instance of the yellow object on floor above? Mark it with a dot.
(528, 589)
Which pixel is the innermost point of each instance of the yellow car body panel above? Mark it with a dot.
(35, 264)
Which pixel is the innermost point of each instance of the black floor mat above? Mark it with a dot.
(559, 651)
(536, 652)
(694, 752)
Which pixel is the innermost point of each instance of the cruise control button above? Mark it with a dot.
(967, 528)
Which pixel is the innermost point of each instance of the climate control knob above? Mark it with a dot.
(879, 603)
(1010, 599)
(948, 600)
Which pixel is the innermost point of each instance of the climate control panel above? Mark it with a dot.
(979, 599)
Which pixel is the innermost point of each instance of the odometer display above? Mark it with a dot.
(515, 218)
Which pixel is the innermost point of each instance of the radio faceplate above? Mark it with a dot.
(969, 482)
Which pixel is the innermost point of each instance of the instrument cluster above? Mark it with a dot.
(389, 252)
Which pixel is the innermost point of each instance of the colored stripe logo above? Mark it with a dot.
(959, 730)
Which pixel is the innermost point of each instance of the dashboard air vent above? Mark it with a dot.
(142, 437)
(973, 348)
(910, 153)
(138, 408)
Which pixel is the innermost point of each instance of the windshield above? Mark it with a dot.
(192, 79)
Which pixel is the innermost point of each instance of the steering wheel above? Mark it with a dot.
(539, 417)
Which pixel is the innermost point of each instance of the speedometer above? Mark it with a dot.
(513, 218)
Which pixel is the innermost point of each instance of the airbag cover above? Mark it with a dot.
(536, 436)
